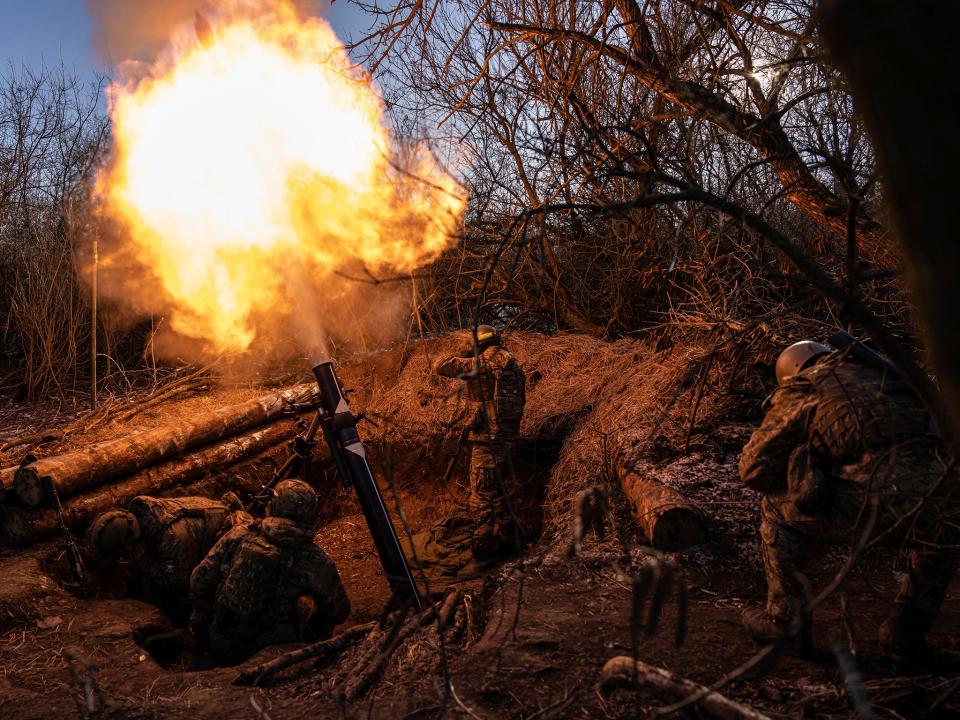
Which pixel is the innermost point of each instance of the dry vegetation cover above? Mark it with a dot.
(597, 400)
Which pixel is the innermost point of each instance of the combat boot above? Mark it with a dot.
(764, 628)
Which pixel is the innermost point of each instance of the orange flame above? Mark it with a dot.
(259, 154)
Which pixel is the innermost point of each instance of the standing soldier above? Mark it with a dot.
(495, 385)
(845, 439)
(268, 582)
(157, 542)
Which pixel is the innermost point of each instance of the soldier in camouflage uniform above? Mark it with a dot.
(839, 436)
(156, 543)
(495, 384)
(268, 582)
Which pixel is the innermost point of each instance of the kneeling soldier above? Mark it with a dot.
(840, 436)
(268, 582)
(157, 542)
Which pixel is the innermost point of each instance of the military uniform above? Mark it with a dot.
(496, 386)
(266, 583)
(839, 436)
(177, 534)
(157, 542)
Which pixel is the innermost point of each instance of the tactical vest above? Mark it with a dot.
(256, 570)
(501, 391)
(179, 532)
(858, 411)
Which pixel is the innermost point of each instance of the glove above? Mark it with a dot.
(807, 485)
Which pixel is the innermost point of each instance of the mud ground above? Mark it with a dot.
(540, 630)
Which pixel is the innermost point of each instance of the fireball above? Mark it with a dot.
(258, 154)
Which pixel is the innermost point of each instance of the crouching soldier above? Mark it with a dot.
(156, 543)
(842, 437)
(496, 387)
(268, 582)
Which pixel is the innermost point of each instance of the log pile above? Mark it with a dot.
(87, 467)
(110, 474)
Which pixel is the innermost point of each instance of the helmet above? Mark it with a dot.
(294, 500)
(231, 500)
(113, 534)
(487, 335)
(797, 357)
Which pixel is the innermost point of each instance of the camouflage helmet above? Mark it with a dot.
(487, 335)
(797, 357)
(294, 500)
(112, 534)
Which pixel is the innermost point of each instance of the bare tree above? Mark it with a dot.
(52, 128)
(630, 158)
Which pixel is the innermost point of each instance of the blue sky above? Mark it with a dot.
(35, 31)
(48, 31)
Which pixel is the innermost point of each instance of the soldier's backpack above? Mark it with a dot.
(156, 515)
(510, 393)
(179, 532)
(257, 569)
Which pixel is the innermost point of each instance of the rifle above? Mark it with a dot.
(73, 552)
(841, 340)
(301, 447)
(339, 426)
(456, 454)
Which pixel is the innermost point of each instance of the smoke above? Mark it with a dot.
(255, 206)
(139, 30)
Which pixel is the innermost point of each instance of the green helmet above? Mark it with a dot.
(294, 500)
(487, 335)
(798, 357)
(113, 534)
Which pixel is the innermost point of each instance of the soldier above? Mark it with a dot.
(157, 542)
(495, 385)
(841, 437)
(268, 582)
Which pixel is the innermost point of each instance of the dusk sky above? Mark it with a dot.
(48, 31)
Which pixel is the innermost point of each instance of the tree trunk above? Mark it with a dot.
(76, 471)
(624, 672)
(22, 526)
(670, 521)
(899, 58)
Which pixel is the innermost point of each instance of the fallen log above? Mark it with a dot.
(23, 526)
(88, 467)
(670, 521)
(625, 672)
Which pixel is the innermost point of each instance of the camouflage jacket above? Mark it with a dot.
(177, 533)
(844, 410)
(496, 385)
(256, 575)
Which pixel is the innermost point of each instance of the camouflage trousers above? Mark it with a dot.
(918, 519)
(491, 497)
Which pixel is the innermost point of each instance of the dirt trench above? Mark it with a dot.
(541, 627)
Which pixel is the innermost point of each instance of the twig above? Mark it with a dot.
(324, 648)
